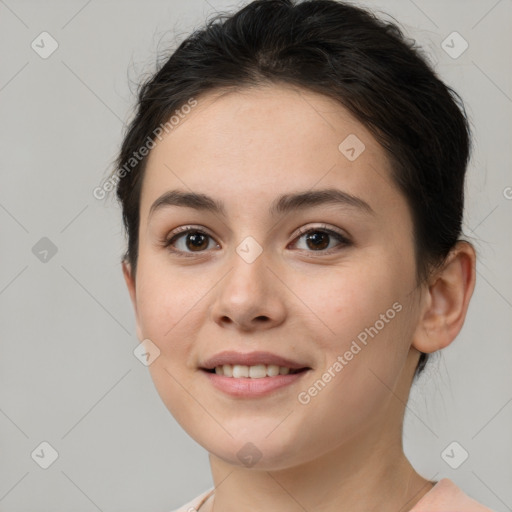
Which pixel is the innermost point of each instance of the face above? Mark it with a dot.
(325, 286)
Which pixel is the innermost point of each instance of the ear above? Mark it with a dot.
(446, 300)
(130, 283)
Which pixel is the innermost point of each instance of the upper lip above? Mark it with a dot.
(249, 359)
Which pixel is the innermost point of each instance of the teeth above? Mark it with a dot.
(257, 371)
(239, 371)
(272, 370)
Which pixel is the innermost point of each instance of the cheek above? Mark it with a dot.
(349, 299)
(362, 311)
(170, 314)
(167, 307)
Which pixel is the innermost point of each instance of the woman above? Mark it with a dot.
(292, 190)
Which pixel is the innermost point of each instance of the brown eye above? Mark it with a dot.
(189, 241)
(196, 240)
(318, 240)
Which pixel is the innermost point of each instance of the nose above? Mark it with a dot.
(250, 296)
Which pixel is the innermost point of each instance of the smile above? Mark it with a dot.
(251, 374)
(258, 371)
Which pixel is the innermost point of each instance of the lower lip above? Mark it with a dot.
(246, 387)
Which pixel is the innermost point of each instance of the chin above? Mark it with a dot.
(258, 457)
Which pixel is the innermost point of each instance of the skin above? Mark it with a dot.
(342, 450)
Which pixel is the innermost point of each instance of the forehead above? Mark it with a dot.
(258, 142)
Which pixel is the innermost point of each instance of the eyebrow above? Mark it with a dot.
(284, 204)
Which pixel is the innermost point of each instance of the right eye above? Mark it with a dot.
(192, 241)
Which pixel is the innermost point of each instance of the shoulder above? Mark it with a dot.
(445, 496)
(193, 505)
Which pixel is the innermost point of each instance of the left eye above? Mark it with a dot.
(319, 239)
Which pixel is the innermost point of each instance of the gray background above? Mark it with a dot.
(68, 375)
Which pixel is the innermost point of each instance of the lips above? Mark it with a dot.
(252, 375)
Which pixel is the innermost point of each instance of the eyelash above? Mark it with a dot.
(176, 234)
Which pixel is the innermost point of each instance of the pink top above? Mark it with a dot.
(445, 496)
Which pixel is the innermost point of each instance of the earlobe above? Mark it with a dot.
(130, 283)
(447, 299)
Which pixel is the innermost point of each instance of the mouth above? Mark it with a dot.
(245, 375)
(258, 371)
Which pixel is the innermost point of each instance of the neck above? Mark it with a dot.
(346, 479)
